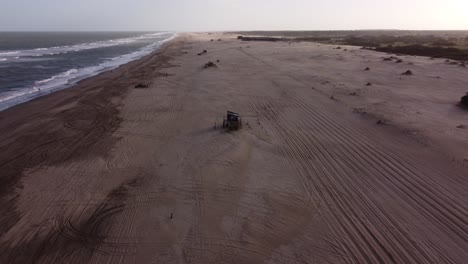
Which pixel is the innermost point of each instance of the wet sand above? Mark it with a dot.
(105, 173)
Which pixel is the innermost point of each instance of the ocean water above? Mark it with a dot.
(34, 64)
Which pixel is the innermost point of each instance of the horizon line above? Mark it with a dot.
(250, 30)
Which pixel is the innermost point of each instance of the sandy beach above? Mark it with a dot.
(334, 163)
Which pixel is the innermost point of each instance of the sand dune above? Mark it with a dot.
(105, 173)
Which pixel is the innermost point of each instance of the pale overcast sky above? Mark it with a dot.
(210, 15)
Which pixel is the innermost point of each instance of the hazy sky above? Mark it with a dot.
(209, 15)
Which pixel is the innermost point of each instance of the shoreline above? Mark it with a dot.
(93, 100)
(37, 93)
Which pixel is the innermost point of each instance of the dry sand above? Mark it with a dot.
(104, 173)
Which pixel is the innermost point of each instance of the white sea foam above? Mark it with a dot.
(39, 52)
(72, 76)
(62, 76)
(8, 53)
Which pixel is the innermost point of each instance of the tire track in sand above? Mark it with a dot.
(349, 159)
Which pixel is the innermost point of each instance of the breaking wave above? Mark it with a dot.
(72, 76)
(39, 52)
